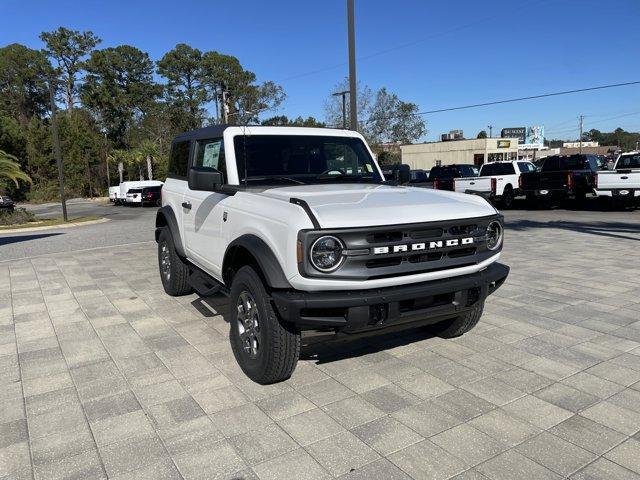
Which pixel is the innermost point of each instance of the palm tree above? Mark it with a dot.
(10, 169)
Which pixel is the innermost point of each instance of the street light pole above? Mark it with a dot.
(353, 98)
(344, 106)
(56, 149)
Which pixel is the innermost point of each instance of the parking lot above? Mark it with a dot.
(102, 375)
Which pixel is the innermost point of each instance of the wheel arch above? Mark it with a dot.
(251, 250)
(166, 218)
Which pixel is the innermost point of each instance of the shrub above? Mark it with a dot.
(16, 217)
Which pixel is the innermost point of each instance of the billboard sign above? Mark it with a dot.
(535, 136)
(528, 137)
(515, 132)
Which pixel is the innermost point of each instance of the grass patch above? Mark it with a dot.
(47, 222)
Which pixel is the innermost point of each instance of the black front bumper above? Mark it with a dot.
(359, 310)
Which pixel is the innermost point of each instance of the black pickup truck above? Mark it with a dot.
(560, 177)
(441, 177)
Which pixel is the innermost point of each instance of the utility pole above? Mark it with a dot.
(343, 94)
(56, 149)
(106, 160)
(490, 127)
(353, 98)
(580, 139)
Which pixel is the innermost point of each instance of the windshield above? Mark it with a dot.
(303, 159)
(628, 161)
(489, 169)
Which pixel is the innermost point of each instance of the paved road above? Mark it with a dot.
(127, 225)
(102, 375)
(130, 225)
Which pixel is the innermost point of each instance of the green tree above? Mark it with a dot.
(24, 90)
(284, 121)
(393, 121)
(10, 169)
(69, 48)
(185, 90)
(482, 134)
(119, 89)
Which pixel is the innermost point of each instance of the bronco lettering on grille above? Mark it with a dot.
(414, 247)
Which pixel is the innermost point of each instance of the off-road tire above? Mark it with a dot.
(176, 283)
(278, 342)
(459, 325)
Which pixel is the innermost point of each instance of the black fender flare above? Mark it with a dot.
(166, 218)
(264, 256)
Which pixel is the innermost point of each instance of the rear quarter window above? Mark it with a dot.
(179, 159)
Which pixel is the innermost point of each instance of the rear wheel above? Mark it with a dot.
(457, 326)
(507, 197)
(266, 348)
(174, 271)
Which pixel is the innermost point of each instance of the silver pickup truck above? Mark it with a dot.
(621, 184)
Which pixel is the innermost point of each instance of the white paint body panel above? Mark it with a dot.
(270, 216)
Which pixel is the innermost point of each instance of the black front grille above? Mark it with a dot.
(382, 252)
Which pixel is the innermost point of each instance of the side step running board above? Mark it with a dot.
(205, 285)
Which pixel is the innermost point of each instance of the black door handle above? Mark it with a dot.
(186, 205)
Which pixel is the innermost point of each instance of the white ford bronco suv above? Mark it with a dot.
(300, 229)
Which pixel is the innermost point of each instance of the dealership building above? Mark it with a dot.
(514, 144)
(473, 151)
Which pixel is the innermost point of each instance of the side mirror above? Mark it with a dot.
(204, 179)
(402, 174)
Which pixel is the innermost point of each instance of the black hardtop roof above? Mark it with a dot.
(215, 131)
(211, 131)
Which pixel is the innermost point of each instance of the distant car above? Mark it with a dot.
(133, 197)
(152, 196)
(442, 176)
(560, 177)
(6, 204)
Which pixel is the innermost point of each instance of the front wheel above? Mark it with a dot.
(266, 348)
(174, 272)
(457, 326)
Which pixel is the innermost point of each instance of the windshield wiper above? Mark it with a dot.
(286, 179)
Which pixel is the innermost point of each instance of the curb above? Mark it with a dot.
(54, 227)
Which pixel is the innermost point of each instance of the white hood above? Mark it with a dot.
(361, 205)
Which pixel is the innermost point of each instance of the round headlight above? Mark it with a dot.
(494, 235)
(326, 253)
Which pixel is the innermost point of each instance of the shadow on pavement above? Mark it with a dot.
(612, 230)
(26, 238)
(333, 347)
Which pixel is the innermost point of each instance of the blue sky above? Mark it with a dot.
(436, 54)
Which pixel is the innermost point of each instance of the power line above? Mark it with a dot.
(602, 120)
(482, 20)
(510, 100)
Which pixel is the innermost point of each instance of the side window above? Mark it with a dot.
(210, 154)
(179, 159)
(525, 167)
(551, 164)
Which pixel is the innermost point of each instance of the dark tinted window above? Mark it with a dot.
(453, 171)
(551, 164)
(210, 153)
(179, 158)
(525, 167)
(629, 161)
(303, 159)
(571, 162)
(490, 169)
(418, 176)
(134, 190)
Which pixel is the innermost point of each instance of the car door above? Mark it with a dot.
(201, 211)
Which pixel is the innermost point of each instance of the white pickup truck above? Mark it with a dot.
(498, 181)
(302, 232)
(621, 184)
